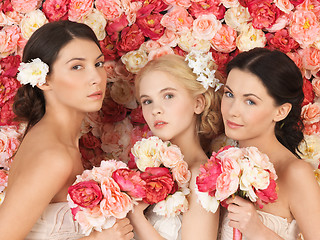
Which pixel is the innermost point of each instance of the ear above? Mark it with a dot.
(282, 112)
(199, 104)
(46, 86)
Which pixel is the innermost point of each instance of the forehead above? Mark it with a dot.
(245, 82)
(154, 81)
(79, 48)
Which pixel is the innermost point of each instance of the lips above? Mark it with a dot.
(96, 95)
(233, 124)
(159, 124)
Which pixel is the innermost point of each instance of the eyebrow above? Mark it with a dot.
(82, 59)
(245, 95)
(162, 90)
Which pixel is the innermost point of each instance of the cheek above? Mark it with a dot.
(146, 112)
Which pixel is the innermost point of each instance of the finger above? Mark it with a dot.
(129, 236)
(123, 222)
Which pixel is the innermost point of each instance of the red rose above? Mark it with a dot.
(8, 89)
(131, 39)
(296, 2)
(150, 25)
(90, 141)
(132, 162)
(130, 181)
(157, 6)
(267, 195)
(56, 9)
(136, 116)
(112, 111)
(113, 28)
(159, 184)
(9, 65)
(86, 194)
(282, 41)
(6, 114)
(264, 13)
(108, 49)
(308, 92)
(207, 7)
(6, 6)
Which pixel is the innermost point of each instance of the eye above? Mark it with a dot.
(99, 64)
(228, 94)
(168, 96)
(77, 67)
(250, 102)
(146, 102)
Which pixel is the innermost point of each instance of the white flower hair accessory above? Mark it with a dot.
(201, 64)
(33, 72)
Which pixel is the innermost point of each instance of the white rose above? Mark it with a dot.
(31, 22)
(97, 22)
(135, 60)
(235, 17)
(250, 38)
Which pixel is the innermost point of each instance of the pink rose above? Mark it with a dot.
(316, 86)
(177, 19)
(225, 39)
(157, 5)
(114, 27)
(86, 194)
(181, 173)
(311, 5)
(209, 173)
(180, 3)
(264, 13)
(310, 59)
(9, 65)
(159, 184)
(284, 5)
(55, 9)
(3, 179)
(304, 27)
(25, 6)
(9, 37)
(296, 2)
(268, 195)
(156, 53)
(6, 114)
(311, 113)
(115, 203)
(6, 6)
(205, 27)
(131, 39)
(227, 184)
(112, 111)
(79, 9)
(130, 181)
(8, 89)
(312, 129)
(282, 41)
(150, 25)
(169, 38)
(170, 156)
(199, 8)
(111, 9)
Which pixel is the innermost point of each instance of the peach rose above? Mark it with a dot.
(250, 38)
(310, 5)
(205, 27)
(280, 23)
(304, 27)
(115, 202)
(316, 86)
(230, 3)
(310, 59)
(96, 21)
(188, 42)
(181, 173)
(122, 92)
(169, 38)
(177, 19)
(296, 58)
(9, 37)
(10, 18)
(31, 22)
(111, 9)
(311, 113)
(225, 39)
(79, 9)
(131, 10)
(23, 6)
(149, 46)
(156, 53)
(284, 5)
(236, 17)
(181, 3)
(170, 155)
(135, 60)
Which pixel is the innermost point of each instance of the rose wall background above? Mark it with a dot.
(132, 32)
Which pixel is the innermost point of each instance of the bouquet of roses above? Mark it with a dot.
(100, 196)
(166, 175)
(236, 171)
(3, 184)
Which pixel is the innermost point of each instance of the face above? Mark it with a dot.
(78, 78)
(248, 111)
(168, 108)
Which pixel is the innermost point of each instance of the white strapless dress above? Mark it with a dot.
(286, 230)
(55, 223)
(168, 227)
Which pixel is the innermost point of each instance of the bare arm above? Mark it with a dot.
(304, 199)
(197, 223)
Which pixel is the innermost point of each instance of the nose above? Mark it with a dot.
(156, 110)
(234, 109)
(97, 75)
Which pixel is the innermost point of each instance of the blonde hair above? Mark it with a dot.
(209, 122)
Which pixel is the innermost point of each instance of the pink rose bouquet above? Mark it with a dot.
(236, 171)
(101, 195)
(166, 175)
(3, 183)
